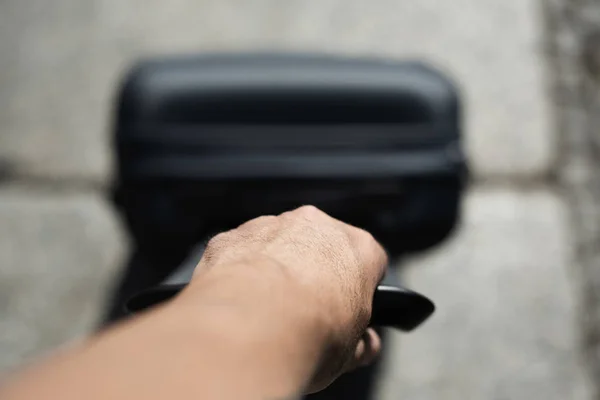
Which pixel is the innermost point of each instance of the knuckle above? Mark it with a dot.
(383, 257)
(261, 229)
(309, 211)
(365, 237)
(214, 247)
(217, 241)
(373, 251)
(267, 221)
(262, 221)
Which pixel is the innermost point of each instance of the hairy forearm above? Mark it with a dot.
(217, 340)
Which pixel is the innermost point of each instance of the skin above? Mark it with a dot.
(276, 308)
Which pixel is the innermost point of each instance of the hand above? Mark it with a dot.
(277, 306)
(327, 272)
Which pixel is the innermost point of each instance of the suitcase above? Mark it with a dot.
(205, 143)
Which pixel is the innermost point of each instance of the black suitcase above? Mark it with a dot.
(205, 143)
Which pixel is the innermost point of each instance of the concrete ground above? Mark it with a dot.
(507, 324)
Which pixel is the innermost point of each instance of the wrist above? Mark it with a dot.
(262, 311)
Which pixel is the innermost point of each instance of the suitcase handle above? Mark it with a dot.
(393, 306)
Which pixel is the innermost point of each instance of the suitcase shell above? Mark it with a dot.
(204, 143)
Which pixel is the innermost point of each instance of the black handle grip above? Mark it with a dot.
(393, 306)
(400, 308)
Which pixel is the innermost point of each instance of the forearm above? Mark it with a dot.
(217, 340)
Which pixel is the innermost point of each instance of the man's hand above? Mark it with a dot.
(327, 270)
(277, 306)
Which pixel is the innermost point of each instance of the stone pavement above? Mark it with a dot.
(574, 50)
(61, 60)
(58, 254)
(505, 327)
(507, 324)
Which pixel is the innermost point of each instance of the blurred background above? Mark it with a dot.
(517, 286)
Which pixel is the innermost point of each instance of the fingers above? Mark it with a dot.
(367, 350)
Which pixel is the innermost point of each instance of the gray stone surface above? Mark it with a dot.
(58, 253)
(574, 54)
(507, 324)
(505, 327)
(61, 60)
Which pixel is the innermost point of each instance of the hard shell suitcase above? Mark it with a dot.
(204, 143)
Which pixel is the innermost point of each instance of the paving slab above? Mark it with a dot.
(58, 254)
(62, 59)
(506, 323)
(505, 326)
(574, 49)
